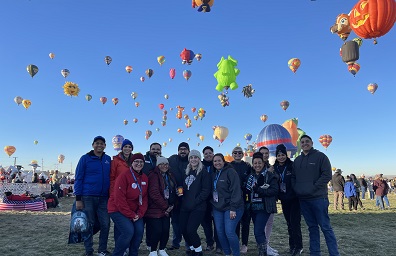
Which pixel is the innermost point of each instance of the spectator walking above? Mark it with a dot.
(338, 182)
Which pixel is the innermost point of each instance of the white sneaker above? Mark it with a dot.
(271, 252)
(126, 253)
(271, 249)
(148, 248)
(153, 253)
(244, 249)
(162, 253)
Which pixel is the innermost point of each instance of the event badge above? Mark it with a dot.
(166, 193)
(283, 187)
(140, 199)
(215, 196)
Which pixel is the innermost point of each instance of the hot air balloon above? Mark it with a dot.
(88, 97)
(135, 120)
(26, 103)
(125, 121)
(188, 124)
(166, 96)
(157, 129)
(354, 68)
(248, 91)
(165, 112)
(161, 106)
(149, 72)
(193, 109)
(358, 40)
(248, 137)
(224, 100)
(294, 64)
(341, 27)
(71, 89)
(187, 56)
(186, 117)
(142, 79)
(201, 113)
(263, 118)
(35, 142)
(172, 73)
(203, 5)
(284, 104)
(117, 142)
(108, 60)
(325, 140)
(272, 135)
(221, 133)
(372, 18)
(9, 150)
(115, 101)
(226, 74)
(187, 74)
(151, 122)
(161, 60)
(198, 56)
(51, 55)
(180, 130)
(103, 100)
(179, 113)
(163, 123)
(134, 95)
(18, 100)
(128, 69)
(61, 158)
(170, 139)
(291, 126)
(201, 137)
(137, 104)
(372, 88)
(32, 70)
(65, 72)
(350, 52)
(164, 118)
(164, 144)
(148, 134)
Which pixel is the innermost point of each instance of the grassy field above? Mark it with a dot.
(368, 232)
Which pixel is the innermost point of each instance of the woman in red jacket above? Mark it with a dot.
(127, 206)
(162, 196)
(121, 162)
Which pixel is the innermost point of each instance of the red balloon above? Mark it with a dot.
(161, 106)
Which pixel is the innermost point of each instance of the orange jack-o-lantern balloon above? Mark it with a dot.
(372, 18)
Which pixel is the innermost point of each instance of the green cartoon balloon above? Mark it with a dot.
(226, 74)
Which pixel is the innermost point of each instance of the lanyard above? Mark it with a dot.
(166, 181)
(217, 179)
(283, 173)
(134, 177)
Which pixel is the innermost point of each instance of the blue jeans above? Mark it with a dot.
(96, 208)
(386, 200)
(316, 215)
(379, 201)
(131, 234)
(225, 228)
(372, 193)
(363, 189)
(260, 219)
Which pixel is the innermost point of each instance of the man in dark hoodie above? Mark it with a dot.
(150, 158)
(177, 166)
(338, 183)
(311, 173)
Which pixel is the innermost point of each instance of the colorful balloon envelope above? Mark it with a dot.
(193, 110)
(117, 142)
(88, 97)
(103, 100)
(35, 142)
(166, 96)
(163, 123)
(161, 60)
(180, 130)
(221, 133)
(149, 133)
(51, 55)
(9, 150)
(161, 106)
(26, 103)
(135, 120)
(151, 122)
(272, 135)
(187, 56)
(125, 122)
(32, 70)
(248, 137)
(201, 137)
(61, 158)
(198, 56)
(263, 118)
(128, 69)
(354, 68)
(172, 73)
(341, 27)
(284, 104)
(115, 101)
(187, 74)
(134, 95)
(137, 104)
(142, 79)
(325, 140)
(165, 112)
(164, 144)
(294, 64)
(18, 100)
(108, 60)
(203, 5)
(149, 73)
(71, 89)
(65, 72)
(372, 88)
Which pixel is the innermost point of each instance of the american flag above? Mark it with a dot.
(37, 204)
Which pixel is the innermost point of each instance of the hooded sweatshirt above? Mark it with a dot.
(196, 189)
(177, 166)
(310, 175)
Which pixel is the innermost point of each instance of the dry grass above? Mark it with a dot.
(368, 232)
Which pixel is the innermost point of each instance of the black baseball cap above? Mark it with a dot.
(99, 138)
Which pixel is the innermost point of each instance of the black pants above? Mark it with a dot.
(158, 228)
(206, 224)
(292, 213)
(358, 199)
(189, 223)
(352, 202)
(245, 223)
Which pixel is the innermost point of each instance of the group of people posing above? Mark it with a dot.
(187, 190)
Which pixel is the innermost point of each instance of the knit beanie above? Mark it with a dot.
(137, 156)
(126, 142)
(194, 153)
(280, 149)
(162, 160)
(183, 144)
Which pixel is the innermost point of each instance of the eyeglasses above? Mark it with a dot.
(237, 152)
(138, 162)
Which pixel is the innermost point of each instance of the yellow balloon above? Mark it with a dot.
(26, 103)
(221, 133)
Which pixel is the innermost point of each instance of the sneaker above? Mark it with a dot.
(126, 253)
(271, 252)
(104, 253)
(209, 248)
(271, 249)
(219, 251)
(244, 249)
(148, 248)
(162, 253)
(154, 253)
(297, 251)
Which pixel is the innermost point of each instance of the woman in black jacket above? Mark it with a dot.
(196, 189)
(290, 203)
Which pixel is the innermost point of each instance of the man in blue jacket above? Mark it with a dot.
(91, 187)
(310, 175)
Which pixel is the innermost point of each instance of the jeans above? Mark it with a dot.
(379, 201)
(260, 219)
(316, 215)
(372, 194)
(245, 223)
(96, 208)
(292, 213)
(363, 191)
(225, 228)
(386, 200)
(131, 234)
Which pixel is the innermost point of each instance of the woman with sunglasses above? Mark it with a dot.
(127, 206)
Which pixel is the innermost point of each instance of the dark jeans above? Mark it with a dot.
(245, 224)
(131, 234)
(352, 202)
(177, 234)
(363, 189)
(292, 213)
(260, 219)
(316, 215)
(96, 208)
(372, 194)
(159, 232)
(189, 224)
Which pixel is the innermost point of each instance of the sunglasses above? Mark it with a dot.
(237, 152)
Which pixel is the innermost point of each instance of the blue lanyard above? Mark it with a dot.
(166, 181)
(134, 177)
(283, 173)
(217, 179)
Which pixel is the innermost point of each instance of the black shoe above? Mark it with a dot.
(297, 251)
(219, 251)
(291, 250)
(190, 252)
(209, 248)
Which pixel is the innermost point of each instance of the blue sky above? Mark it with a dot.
(261, 35)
